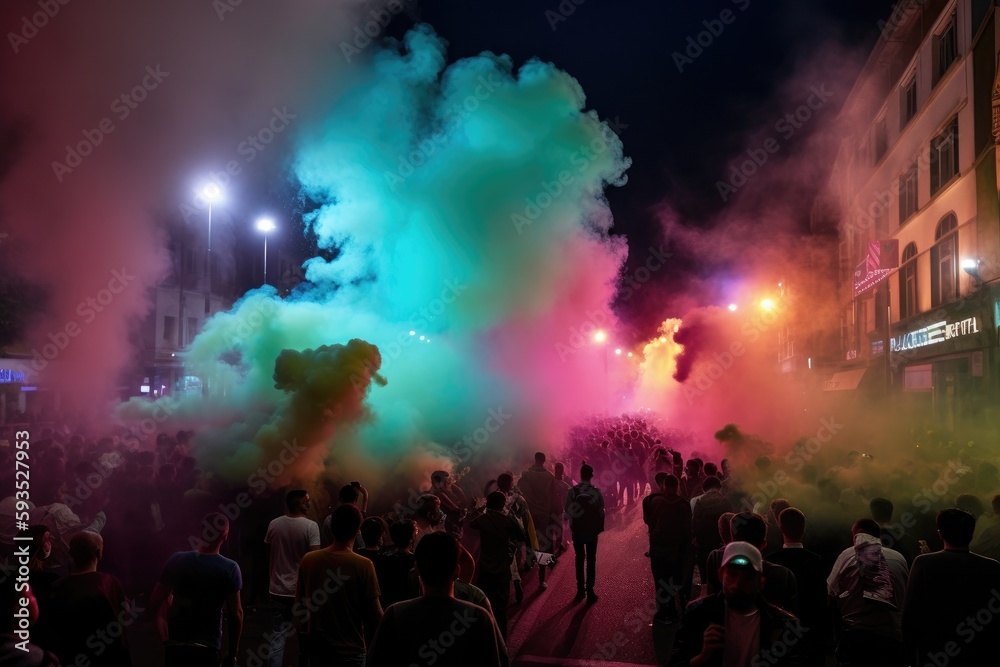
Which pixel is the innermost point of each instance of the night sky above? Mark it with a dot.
(681, 129)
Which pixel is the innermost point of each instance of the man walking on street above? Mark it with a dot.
(497, 533)
(669, 519)
(188, 602)
(337, 592)
(537, 486)
(290, 537)
(585, 508)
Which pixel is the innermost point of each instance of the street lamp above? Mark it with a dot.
(211, 193)
(767, 304)
(601, 338)
(972, 266)
(265, 225)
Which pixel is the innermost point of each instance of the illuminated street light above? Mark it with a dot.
(265, 225)
(211, 193)
(600, 337)
(971, 266)
(629, 355)
(767, 304)
(732, 307)
(618, 350)
(663, 339)
(413, 333)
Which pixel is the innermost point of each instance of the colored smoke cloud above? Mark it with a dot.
(424, 171)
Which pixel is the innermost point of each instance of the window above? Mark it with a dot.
(909, 101)
(192, 329)
(944, 261)
(945, 49)
(908, 282)
(944, 156)
(908, 193)
(169, 329)
(881, 139)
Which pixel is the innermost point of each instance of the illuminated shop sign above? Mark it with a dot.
(8, 376)
(935, 333)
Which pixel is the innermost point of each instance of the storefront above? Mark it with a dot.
(20, 392)
(943, 363)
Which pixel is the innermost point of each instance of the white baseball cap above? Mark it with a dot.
(742, 554)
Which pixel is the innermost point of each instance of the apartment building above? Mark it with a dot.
(915, 187)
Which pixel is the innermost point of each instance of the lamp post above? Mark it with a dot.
(265, 225)
(211, 193)
(601, 338)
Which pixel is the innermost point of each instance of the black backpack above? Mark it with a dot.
(586, 517)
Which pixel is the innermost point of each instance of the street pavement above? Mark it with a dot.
(549, 628)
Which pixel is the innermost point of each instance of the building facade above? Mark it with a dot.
(916, 175)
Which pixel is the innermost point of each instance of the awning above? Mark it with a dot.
(845, 380)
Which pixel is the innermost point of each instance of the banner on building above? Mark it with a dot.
(882, 259)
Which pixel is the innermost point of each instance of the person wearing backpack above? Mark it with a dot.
(585, 510)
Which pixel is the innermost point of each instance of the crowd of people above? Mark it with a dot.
(119, 532)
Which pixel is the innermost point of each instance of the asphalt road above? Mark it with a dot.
(549, 628)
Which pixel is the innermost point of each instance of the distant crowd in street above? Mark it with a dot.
(434, 574)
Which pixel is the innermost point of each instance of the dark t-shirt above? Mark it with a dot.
(393, 572)
(411, 633)
(201, 584)
(79, 606)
